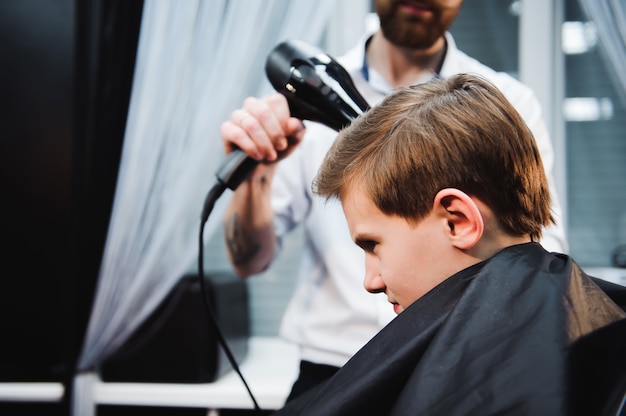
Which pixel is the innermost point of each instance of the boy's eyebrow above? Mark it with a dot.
(359, 237)
(363, 238)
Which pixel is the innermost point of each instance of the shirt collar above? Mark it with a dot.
(447, 68)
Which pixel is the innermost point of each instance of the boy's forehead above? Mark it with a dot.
(355, 198)
(358, 207)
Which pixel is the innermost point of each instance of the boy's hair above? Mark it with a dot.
(456, 133)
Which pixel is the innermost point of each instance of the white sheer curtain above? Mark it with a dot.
(196, 62)
(609, 17)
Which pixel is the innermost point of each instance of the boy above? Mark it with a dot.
(443, 188)
(328, 316)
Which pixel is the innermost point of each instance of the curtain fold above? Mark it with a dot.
(196, 62)
(609, 17)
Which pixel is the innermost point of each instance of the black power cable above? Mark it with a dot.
(209, 203)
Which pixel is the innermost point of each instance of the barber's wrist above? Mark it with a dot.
(261, 176)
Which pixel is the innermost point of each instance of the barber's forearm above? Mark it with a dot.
(249, 226)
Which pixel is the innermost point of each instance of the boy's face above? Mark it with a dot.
(402, 260)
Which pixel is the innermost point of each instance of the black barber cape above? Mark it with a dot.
(492, 339)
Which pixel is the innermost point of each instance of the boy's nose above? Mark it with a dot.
(373, 281)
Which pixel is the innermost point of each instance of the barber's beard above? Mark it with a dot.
(413, 35)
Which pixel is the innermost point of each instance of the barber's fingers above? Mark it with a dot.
(245, 132)
(271, 119)
(293, 128)
(263, 128)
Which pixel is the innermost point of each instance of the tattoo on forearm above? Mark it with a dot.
(241, 246)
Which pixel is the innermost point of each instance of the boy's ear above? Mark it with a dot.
(464, 220)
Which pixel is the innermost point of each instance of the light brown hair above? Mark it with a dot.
(455, 133)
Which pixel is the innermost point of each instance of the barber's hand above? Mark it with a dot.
(263, 128)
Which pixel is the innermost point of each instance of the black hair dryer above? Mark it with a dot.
(317, 88)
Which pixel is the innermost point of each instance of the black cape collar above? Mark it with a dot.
(490, 339)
